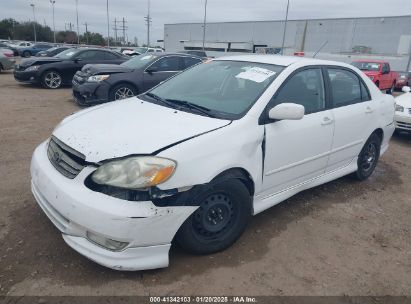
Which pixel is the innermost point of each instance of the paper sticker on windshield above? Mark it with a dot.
(69, 54)
(256, 74)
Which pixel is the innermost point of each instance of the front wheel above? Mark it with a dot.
(51, 80)
(122, 91)
(368, 157)
(392, 89)
(26, 54)
(223, 213)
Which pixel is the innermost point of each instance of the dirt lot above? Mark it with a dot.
(342, 238)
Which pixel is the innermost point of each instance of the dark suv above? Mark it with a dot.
(101, 83)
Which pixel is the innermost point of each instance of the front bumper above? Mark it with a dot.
(75, 210)
(91, 93)
(28, 77)
(403, 121)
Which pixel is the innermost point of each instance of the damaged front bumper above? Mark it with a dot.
(144, 230)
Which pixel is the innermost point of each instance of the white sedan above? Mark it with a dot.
(194, 158)
(403, 110)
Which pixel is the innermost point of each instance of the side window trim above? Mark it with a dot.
(361, 81)
(263, 119)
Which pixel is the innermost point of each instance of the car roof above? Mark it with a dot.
(371, 60)
(280, 60)
(162, 54)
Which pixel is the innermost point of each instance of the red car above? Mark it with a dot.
(379, 72)
(404, 79)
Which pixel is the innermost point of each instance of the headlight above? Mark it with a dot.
(135, 172)
(371, 77)
(32, 68)
(97, 78)
(399, 108)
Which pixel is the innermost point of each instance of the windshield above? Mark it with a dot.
(67, 54)
(367, 66)
(226, 88)
(139, 61)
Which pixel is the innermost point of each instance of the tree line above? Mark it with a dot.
(14, 30)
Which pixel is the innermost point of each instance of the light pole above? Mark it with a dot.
(78, 33)
(108, 28)
(34, 23)
(205, 23)
(54, 27)
(285, 27)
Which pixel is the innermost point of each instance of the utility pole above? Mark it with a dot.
(78, 32)
(115, 31)
(148, 21)
(108, 27)
(54, 27)
(204, 24)
(285, 27)
(124, 31)
(86, 34)
(34, 23)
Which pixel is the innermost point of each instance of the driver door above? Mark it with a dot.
(298, 150)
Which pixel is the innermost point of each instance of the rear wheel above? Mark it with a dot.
(51, 80)
(122, 91)
(368, 157)
(223, 213)
(26, 54)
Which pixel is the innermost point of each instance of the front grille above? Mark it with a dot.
(66, 160)
(404, 125)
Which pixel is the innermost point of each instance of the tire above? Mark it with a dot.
(368, 157)
(26, 54)
(122, 91)
(51, 79)
(1, 67)
(377, 83)
(392, 89)
(223, 213)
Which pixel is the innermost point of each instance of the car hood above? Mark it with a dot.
(130, 126)
(39, 61)
(95, 69)
(404, 100)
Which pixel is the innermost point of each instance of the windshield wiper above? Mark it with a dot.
(202, 109)
(158, 98)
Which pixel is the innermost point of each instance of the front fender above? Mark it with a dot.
(200, 159)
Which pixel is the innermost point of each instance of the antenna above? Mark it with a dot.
(324, 44)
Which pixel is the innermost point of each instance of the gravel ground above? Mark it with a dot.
(342, 238)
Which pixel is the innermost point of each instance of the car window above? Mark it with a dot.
(167, 64)
(345, 87)
(190, 61)
(92, 55)
(110, 56)
(365, 94)
(305, 88)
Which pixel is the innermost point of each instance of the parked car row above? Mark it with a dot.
(192, 159)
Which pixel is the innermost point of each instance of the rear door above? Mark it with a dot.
(111, 58)
(162, 69)
(355, 114)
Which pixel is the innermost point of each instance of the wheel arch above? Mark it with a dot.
(380, 133)
(238, 173)
(123, 81)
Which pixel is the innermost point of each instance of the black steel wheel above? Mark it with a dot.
(368, 158)
(223, 212)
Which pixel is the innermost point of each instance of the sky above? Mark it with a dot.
(180, 11)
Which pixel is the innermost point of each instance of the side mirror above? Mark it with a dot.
(406, 89)
(151, 70)
(287, 111)
(77, 60)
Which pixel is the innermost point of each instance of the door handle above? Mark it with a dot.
(326, 121)
(368, 110)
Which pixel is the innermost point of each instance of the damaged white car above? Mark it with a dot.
(194, 158)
